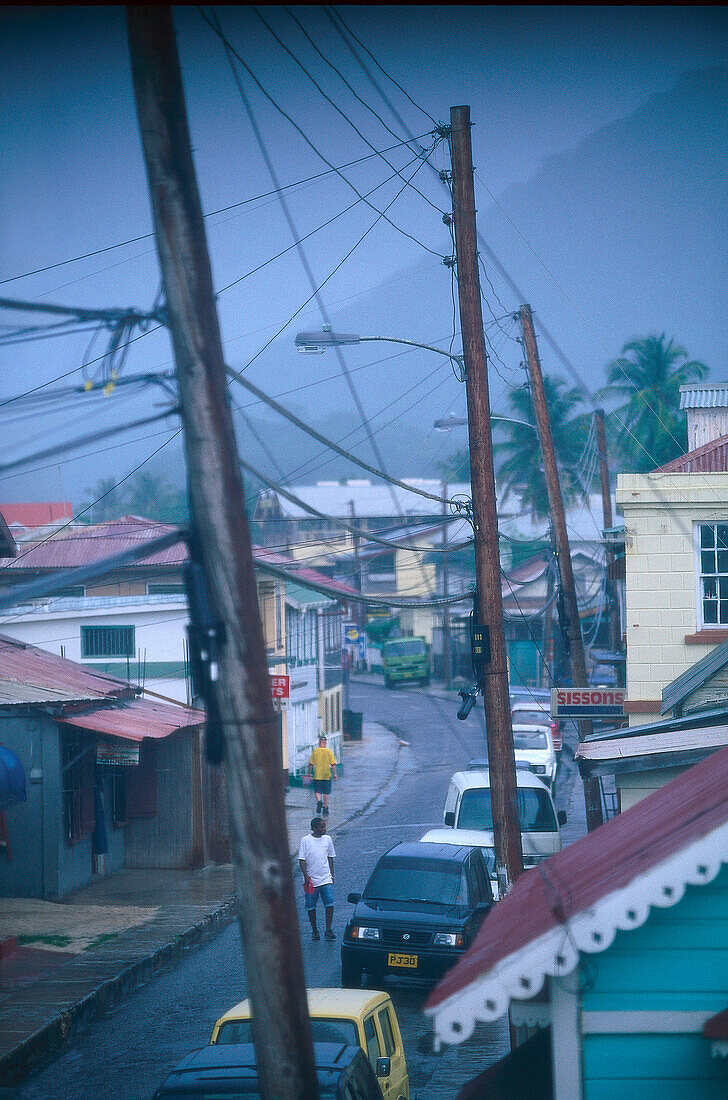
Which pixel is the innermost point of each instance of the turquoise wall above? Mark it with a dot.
(677, 961)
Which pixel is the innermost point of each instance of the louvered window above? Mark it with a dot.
(714, 573)
(107, 641)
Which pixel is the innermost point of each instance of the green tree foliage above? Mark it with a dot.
(145, 495)
(518, 455)
(645, 381)
(456, 466)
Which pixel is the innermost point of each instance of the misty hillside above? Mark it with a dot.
(630, 224)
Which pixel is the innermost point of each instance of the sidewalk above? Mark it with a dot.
(76, 958)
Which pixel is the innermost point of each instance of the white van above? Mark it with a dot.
(468, 807)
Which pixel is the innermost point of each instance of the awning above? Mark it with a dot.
(12, 779)
(136, 719)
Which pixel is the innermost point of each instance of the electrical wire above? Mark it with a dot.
(381, 214)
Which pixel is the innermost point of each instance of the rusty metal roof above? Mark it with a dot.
(136, 719)
(32, 675)
(78, 545)
(711, 458)
(577, 899)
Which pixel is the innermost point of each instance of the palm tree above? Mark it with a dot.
(647, 377)
(520, 468)
(102, 501)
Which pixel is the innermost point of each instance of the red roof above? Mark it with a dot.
(37, 513)
(137, 718)
(32, 668)
(546, 897)
(79, 545)
(711, 458)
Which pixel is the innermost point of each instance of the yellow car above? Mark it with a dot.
(357, 1017)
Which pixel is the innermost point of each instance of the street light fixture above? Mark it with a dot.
(315, 343)
(445, 423)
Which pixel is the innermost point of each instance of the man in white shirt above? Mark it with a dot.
(316, 859)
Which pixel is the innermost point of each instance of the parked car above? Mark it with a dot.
(533, 746)
(419, 913)
(468, 807)
(228, 1070)
(467, 838)
(364, 1018)
(405, 660)
(537, 712)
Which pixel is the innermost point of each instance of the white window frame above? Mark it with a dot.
(700, 578)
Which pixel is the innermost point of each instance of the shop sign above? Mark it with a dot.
(125, 753)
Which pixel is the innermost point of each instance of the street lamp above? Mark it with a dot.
(445, 423)
(316, 343)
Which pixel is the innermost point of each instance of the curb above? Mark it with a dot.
(18, 1063)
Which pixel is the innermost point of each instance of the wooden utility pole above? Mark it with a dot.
(592, 791)
(496, 700)
(612, 608)
(446, 635)
(260, 850)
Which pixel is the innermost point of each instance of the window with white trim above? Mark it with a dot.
(713, 565)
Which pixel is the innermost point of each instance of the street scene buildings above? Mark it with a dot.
(364, 541)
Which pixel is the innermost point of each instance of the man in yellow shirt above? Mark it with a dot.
(322, 765)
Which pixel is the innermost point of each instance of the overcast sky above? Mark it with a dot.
(538, 81)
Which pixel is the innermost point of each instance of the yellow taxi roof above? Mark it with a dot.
(343, 1003)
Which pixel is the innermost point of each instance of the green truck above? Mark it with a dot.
(405, 660)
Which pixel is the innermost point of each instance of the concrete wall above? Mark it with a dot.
(660, 513)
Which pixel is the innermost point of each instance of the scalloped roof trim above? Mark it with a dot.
(521, 975)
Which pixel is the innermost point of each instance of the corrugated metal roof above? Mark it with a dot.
(617, 856)
(693, 739)
(29, 674)
(694, 677)
(711, 458)
(76, 546)
(700, 396)
(369, 501)
(136, 719)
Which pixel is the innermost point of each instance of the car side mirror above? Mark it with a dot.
(450, 819)
(354, 898)
(561, 817)
(384, 1067)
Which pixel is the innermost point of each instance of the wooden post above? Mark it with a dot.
(611, 599)
(496, 700)
(592, 790)
(260, 850)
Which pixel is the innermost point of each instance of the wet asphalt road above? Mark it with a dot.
(127, 1053)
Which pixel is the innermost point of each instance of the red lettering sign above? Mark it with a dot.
(587, 702)
(280, 687)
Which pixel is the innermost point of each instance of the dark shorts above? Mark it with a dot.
(322, 786)
(325, 892)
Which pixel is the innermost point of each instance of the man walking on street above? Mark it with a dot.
(322, 765)
(316, 859)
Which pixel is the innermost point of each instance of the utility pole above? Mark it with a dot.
(496, 700)
(612, 608)
(592, 791)
(260, 851)
(446, 638)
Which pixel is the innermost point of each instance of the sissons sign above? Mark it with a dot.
(587, 702)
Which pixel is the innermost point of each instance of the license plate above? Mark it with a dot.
(410, 961)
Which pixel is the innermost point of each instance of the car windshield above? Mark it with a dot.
(529, 739)
(324, 1030)
(410, 647)
(437, 882)
(531, 717)
(535, 810)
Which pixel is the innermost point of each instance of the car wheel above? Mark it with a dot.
(350, 975)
